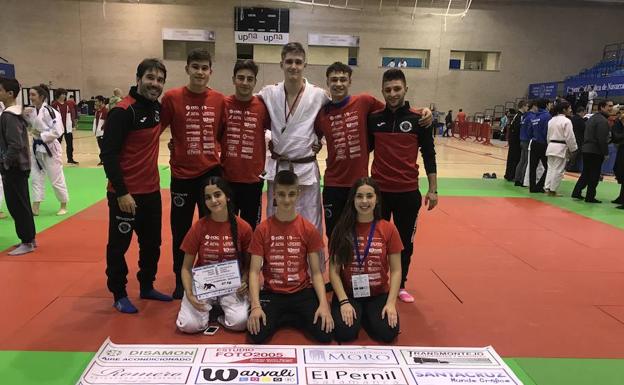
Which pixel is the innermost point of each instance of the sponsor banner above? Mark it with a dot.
(340, 356)
(611, 86)
(247, 375)
(543, 90)
(165, 374)
(355, 376)
(448, 356)
(180, 34)
(146, 354)
(333, 40)
(277, 38)
(250, 355)
(221, 364)
(454, 376)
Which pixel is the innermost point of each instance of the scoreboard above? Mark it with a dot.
(261, 19)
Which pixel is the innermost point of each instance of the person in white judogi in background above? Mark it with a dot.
(561, 142)
(293, 105)
(45, 128)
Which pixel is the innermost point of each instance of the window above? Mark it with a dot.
(474, 61)
(179, 50)
(244, 51)
(404, 58)
(327, 55)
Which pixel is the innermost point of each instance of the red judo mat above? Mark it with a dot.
(528, 278)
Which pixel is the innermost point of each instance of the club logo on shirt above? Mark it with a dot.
(157, 116)
(405, 126)
(124, 227)
(178, 201)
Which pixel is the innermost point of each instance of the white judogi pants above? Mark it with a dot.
(52, 167)
(554, 175)
(235, 309)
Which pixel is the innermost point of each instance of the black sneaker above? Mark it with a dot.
(72, 162)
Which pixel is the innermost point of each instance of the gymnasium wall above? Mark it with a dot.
(73, 44)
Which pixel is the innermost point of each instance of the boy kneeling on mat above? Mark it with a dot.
(284, 246)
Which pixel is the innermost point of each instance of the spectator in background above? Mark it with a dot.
(561, 142)
(116, 98)
(582, 98)
(591, 96)
(15, 165)
(391, 63)
(101, 112)
(595, 149)
(537, 132)
(578, 126)
(449, 123)
(402, 63)
(515, 149)
(503, 126)
(2, 214)
(617, 138)
(69, 118)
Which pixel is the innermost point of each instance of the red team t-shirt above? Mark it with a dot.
(386, 241)
(284, 247)
(196, 123)
(242, 144)
(100, 115)
(212, 241)
(344, 127)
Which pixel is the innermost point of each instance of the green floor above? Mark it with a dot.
(17, 367)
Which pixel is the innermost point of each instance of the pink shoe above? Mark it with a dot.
(405, 296)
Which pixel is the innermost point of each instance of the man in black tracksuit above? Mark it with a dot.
(395, 136)
(15, 166)
(595, 149)
(513, 155)
(130, 157)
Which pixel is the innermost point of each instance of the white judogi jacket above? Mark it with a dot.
(48, 128)
(560, 129)
(295, 142)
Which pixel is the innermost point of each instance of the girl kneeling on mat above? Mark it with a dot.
(364, 248)
(217, 237)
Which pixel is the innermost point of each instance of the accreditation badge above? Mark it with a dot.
(361, 286)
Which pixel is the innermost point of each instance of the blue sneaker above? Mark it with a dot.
(125, 306)
(156, 295)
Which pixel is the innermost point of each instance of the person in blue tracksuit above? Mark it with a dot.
(538, 131)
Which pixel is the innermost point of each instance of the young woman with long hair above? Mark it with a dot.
(365, 267)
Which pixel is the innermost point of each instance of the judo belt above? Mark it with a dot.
(37, 142)
(558, 141)
(279, 158)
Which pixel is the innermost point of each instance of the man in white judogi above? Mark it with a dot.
(561, 141)
(293, 105)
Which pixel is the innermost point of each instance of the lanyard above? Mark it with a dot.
(290, 112)
(360, 258)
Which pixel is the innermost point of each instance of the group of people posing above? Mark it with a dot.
(551, 135)
(219, 162)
